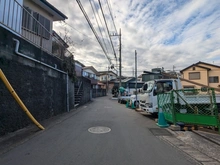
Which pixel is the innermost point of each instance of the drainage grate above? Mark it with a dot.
(160, 132)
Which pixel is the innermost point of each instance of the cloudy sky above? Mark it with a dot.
(165, 33)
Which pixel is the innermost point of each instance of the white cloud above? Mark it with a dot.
(164, 32)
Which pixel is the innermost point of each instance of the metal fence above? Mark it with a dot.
(190, 106)
(33, 27)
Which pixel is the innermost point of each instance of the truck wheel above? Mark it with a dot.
(155, 114)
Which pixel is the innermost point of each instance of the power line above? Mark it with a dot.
(98, 24)
(76, 30)
(102, 23)
(107, 28)
(92, 28)
(110, 11)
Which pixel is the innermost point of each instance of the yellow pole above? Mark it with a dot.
(16, 97)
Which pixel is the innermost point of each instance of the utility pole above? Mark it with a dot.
(136, 77)
(119, 57)
(107, 84)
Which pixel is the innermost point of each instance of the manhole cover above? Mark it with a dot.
(99, 130)
(160, 132)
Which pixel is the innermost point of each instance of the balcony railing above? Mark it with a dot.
(31, 26)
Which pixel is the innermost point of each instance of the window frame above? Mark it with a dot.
(213, 78)
(193, 78)
(36, 23)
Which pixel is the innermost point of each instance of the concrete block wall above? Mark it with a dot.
(42, 90)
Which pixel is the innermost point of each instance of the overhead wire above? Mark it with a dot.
(98, 25)
(77, 30)
(107, 28)
(110, 11)
(102, 23)
(92, 28)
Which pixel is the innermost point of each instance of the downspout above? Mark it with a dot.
(67, 92)
(208, 78)
(44, 64)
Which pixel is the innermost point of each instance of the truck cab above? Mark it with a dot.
(148, 99)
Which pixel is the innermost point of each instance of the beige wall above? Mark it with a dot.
(38, 9)
(46, 44)
(204, 76)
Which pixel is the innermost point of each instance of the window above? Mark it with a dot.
(91, 75)
(35, 23)
(214, 79)
(194, 75)
(85, 74)
(163, 86)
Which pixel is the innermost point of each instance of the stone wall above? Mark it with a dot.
(42, 90)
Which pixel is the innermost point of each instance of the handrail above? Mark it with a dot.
(79, 87)
(16, 97)
(16, 18)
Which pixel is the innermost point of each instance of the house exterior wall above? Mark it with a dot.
(46, 43)
(89, 73)
(103, 77)
(204, 76)
(38, 9)
(215, 71)
(78, 69)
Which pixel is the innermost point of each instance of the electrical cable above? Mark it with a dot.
(92, 28)
(107, 28)
(98, 25)
(102, 24)
(110, 11)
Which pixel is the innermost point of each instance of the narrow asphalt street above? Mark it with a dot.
(127, 138)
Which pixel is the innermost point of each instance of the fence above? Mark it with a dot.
(190, 106)
(33, 27)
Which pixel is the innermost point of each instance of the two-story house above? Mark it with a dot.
(202, 73)
(30, 19)
(79, 68)
(107, 78)
(92, 74)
